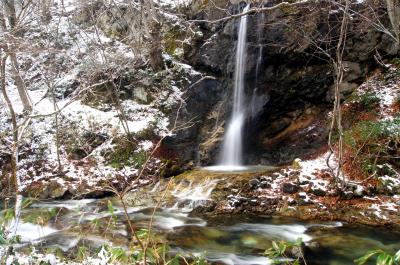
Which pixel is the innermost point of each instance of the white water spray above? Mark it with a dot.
(232, 145)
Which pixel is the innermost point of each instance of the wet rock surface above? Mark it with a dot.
(311, 201)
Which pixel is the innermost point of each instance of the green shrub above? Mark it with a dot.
(382, 258)
(279, 252)
(371, 142)
(396, 61)
(367, 99)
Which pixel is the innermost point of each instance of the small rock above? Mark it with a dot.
(275, 175)
(347, 195)
(205, 207)
(254, 183)
(359, 191)
(296, 163)
(304, 199)
(304, 180)
(266, 178)
(318, 191)
(236, 200)
(291, 201)
(290, 187)
(297, 252)
(253, 202)
(265, 184)
(302, 195)
(314, 245)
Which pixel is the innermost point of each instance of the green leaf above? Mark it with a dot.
(299, 242)
(162, 250)
(110, 207)
(142, 233)
(275, 246)
(8, 215)
(174, 261)
(397, 256)
(200, 260)
(3, 241)
(151, 256)
(282, 248)
(362, 260)
(384, 259)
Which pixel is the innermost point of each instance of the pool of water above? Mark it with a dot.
(235, 239)
(240, 169)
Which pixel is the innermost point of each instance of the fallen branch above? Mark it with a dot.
(249, 12)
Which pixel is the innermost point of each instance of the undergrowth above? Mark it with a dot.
(374, 143)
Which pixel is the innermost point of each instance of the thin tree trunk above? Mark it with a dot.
(13, 178)
(337, 111)
(19, 82)
(45, 11)
(9, 7)
(155, 27)
(56, 109)
(156, 59)
(3, 25)
(393, 8)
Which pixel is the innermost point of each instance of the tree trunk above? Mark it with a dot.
(9, 7)
(19, 82)
(3, 25)
(45, 11)
(13, 178)
(156, 60)
(155, 27)
(393, 8)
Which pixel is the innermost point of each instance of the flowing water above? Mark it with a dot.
(233, 239)
(229, 240)
(232, 146)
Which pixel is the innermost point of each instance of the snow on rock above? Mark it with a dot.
(175, 3)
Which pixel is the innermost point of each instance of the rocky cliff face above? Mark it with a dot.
(289, 74)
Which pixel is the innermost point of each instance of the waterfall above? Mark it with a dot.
(232, 145)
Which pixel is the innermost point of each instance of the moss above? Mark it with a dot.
(170, 40)
(121, 155)
(126, 154)
(288, 10)
(170, 169)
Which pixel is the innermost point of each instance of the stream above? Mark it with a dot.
(230, 239)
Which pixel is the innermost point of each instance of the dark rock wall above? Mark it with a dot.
(290, 87)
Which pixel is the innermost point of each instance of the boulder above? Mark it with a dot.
(290, 187)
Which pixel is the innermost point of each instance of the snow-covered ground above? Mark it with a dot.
(59, 64)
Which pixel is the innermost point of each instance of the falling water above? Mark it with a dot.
(232, 145)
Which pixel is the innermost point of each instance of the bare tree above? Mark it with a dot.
(11, 47)
(336, 122)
